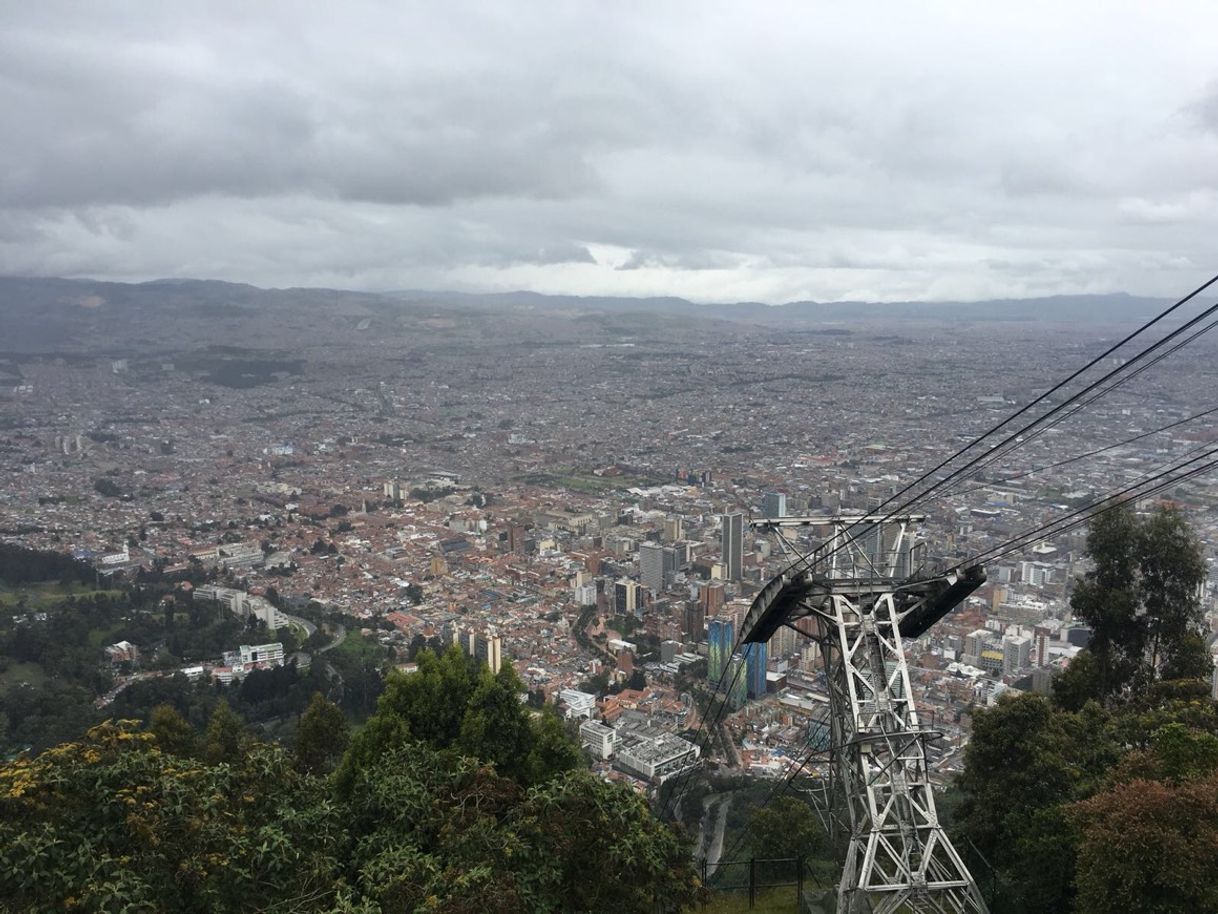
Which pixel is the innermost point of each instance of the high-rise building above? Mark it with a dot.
(712, 597)
(784, 642)
(720, 639)
(755, 657)
(488, 649)
(773, 505)
(657, 566)
(625, 597)
(737, 687)
(977, 641)
(1041, 635)
(515, 538)
(732, 541)
(695, 621)
(674, 529)
(1015, 651)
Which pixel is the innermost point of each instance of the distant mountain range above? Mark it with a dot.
(47, 314)
(1112, 307)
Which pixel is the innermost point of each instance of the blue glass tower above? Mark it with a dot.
(720, 639)
(755, 654)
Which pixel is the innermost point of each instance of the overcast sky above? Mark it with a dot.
(718, 152)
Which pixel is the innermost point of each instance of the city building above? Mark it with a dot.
(268, 654)
(650, 752)
(1016, 652)
(755, 658)
(721, 639)
(774, 505)
(694, 626)
(657, 566)
(737, 683)
(712, 596)
(732, 544)
(241, 604)
(597, 739)
(487, 648)
(576, 703)
(626, 598)
(122, 652)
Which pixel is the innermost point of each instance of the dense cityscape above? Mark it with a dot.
(598, 537)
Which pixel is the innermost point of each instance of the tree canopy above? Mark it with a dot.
(454, 702)
(147, 820)
(1103, 799)
(1141, 601)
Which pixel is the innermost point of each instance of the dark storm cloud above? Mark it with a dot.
(713, 151)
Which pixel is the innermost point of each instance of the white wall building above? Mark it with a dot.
(597, 739)
(576, 703)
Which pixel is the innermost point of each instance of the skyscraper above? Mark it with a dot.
(755, 656)
(625, 597)
(737, 687)
(732, 540)
(720, 639)
(773, 505)
(695, 621)
(657, 566)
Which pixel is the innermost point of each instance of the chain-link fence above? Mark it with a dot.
(772, 885)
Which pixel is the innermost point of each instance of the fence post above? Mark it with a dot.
(752, 882)
(705, 884)
(799, 882)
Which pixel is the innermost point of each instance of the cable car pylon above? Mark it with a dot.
(857, 596)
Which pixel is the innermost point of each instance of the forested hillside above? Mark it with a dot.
(453, 798)
(1104, 797)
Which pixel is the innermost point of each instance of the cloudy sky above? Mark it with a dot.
(715, 151)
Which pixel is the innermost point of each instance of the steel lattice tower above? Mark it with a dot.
(860, 596)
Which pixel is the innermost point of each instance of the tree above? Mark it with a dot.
(113, 822)
(172, 732)
(454, 703)
(322, 737)
(495, 727)
(162, 832)
(1140, 600)
(1172, 569)
(1149, 846)
(1078, 683)
(449, 834)
(226, 735)
(1018, 771)
(784, 828)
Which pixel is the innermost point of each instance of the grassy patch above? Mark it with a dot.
(779, 900)
(40, 596)
(356, 649)
(18, 673)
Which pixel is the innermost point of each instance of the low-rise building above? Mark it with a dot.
(597, 739)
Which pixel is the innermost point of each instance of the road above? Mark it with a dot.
(718, 824)
(339, 637)
(308, 626)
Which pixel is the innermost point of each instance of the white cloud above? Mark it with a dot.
(713, 151)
